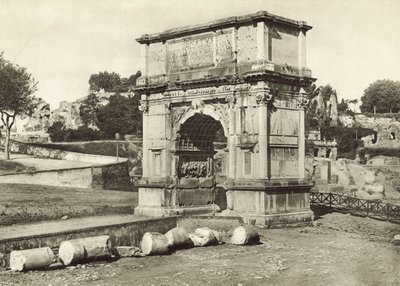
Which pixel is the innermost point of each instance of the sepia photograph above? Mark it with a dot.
(212, 142)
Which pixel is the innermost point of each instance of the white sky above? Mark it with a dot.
(63, 42)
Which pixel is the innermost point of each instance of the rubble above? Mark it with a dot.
(129, 251)
(396, 239)
(203, 236)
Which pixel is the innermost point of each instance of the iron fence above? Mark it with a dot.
(135, 179)
(368, 208)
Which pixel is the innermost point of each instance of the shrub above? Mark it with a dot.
(58, 133)
(347, 143)
(378, 151)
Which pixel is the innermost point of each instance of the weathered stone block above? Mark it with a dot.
(189, 183)
(396, 239)
(128, 251)
(206, 182)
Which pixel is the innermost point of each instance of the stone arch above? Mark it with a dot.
(199, 132)
(200, 142)
(206, 110)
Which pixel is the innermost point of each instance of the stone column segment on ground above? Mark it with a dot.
(31, 259)
(154, 243)
(85, 249)
(245, 234)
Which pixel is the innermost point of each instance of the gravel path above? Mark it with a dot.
(338, 250)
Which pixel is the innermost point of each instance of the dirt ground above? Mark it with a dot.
(339, 250)
(38, 203)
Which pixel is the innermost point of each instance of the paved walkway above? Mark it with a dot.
(59, 226)
(44, 164)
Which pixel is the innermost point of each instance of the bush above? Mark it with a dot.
(378, 151)
(58, 133)
(347, 143)
(106, 148)
(83, 133)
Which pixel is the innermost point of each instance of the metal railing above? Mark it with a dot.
(368, 208)
(135, 179)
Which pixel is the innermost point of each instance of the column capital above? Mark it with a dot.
(144, 104)
(264, 98)
(231, 99)
(168, 106)
(302, 102)
(302, 99)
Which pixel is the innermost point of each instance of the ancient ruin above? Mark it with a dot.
(223, 107)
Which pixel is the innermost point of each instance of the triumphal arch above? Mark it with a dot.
(223, 119)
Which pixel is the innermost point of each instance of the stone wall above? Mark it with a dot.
(43, 152)
(105, 173)
(385, 126)
(129, 233)
(110, 177)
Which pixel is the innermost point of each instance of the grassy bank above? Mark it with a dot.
(9, 167)
(107, 148)
(29, 203)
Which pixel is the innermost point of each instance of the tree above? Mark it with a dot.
(343, 106)
(326, 92)
(310, 116)
(354, 102)
(107, 81)
(126, 83)
(120, 115)
(56, 131)
(111, 82)
(89, 109)
(16, 96)
(381, 96)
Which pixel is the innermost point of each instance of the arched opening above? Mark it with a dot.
(328, 153)
(375, 137)
(200, 144)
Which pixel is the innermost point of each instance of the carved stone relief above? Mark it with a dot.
(198, 105)
(144, 106)
(177, 114)
(302, 102)
(190, 52)
(193, 169)
(264, 97)
(223, 111)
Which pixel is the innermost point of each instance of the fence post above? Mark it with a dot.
(330, 199)
(387, 212)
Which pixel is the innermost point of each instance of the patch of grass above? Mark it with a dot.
(126, 149)
(9, 167)
(29, 203)
(106, 148)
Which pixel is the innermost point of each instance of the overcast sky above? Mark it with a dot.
(63, 42)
